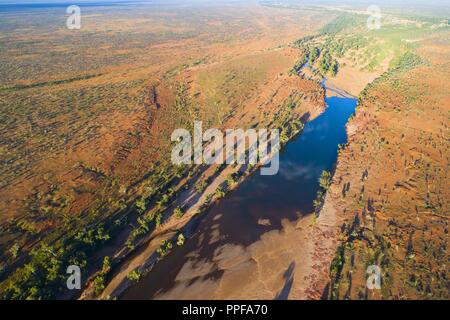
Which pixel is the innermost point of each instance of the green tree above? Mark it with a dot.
(165, 248)
(314, 53)
(14, 250)
(134, 275)
(106, 265)
(325, 180)
(140, 205)
(99, 284)
(180, 240)
(178, 212)
(334, 68)
(201, 186)
(220, 193)
(325, 63)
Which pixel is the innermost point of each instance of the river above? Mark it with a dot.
(256, 207)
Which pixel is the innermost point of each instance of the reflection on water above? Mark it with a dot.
(256, 207)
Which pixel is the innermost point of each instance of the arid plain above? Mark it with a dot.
(86, 118)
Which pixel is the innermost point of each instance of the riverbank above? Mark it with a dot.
(315, 239)
(276, 102)
(253, 243)
(390, 190)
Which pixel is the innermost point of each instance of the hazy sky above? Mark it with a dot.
(444, 4)
(406, 2)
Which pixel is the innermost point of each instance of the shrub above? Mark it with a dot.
(200, 186)
(140, 205)
(14, 250)
(178, 212)
(134, 275)
(325, 180)
(220, 193)
(180, 240)
(99, 284)
(165, 248)
(106, 265)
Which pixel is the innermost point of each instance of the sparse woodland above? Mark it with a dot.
(86, 119)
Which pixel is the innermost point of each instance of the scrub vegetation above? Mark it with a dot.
(86, 118)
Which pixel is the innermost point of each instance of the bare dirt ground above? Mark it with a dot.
(298, 252)
(86, 146)
(241, 78)
(273, 94)
(87, 128)
(353, 79)
(389, 196)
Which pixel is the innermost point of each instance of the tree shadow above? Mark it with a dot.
(289, 279)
